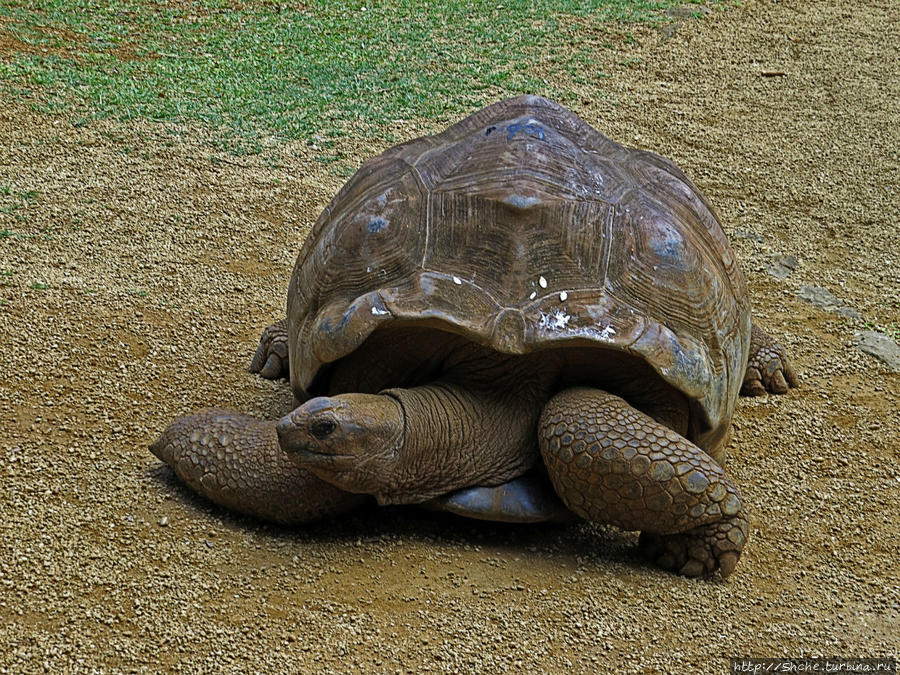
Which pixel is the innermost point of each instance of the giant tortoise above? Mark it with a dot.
(515, 297)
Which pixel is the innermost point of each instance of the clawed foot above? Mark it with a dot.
(769, 369)
(700, 551)
(271, 357)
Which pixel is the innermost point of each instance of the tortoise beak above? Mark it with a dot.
(295, 440)
(305, 433)
(290, 435)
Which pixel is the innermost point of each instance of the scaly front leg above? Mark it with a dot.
(613, 464)
(235, 461)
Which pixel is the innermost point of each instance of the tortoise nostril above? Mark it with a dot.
(285, 426)
(322, 428)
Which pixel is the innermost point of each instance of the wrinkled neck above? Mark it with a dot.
(461, 435)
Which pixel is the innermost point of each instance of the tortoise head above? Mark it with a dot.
(352, 441)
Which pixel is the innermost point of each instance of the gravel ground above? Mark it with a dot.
(136, 280)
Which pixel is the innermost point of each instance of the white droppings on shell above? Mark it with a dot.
(563, 296)
(555, 321)
(533, 295)
(607, 333)
(543, 282)
(379, 312)
(457, 280)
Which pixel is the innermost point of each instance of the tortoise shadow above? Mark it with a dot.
(590, 544)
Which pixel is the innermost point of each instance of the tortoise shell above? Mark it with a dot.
(524, 229)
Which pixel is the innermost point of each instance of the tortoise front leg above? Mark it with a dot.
(271, 357)
(235, 461)
(768, 369)
(613, 464)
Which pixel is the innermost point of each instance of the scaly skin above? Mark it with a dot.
(768, 369)
(271, 357)
(235, 461)
(613, 464)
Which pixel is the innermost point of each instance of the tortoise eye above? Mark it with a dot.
(322, 428)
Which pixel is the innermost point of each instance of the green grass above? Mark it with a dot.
(259, 72)
(10, 202)
(892, 330)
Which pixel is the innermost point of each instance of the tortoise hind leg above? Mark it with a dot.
(613, 464)
(768, 369)
(271, 357)
(235, 461)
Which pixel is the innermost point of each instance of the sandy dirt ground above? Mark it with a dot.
(139, 268)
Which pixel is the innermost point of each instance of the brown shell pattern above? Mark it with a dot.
(524, 228)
